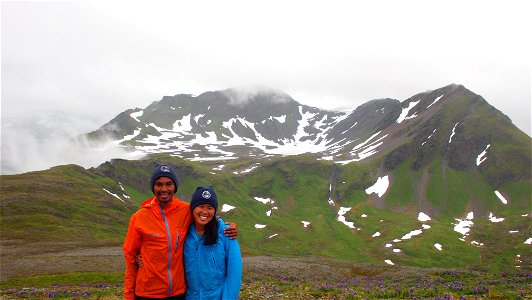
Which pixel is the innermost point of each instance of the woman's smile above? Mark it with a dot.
(203, 214)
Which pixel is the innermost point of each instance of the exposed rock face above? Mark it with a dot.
(450, 124)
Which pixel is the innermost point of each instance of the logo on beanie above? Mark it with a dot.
(165, 169)
(206, 195)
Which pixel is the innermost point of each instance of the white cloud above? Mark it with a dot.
(99, 58)
(49, 140)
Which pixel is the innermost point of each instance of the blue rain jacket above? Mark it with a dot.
(212, 271)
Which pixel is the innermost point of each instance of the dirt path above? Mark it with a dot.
(23, 263)
(20, 263)
(23, 260)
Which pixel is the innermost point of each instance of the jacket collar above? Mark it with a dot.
(153, 203)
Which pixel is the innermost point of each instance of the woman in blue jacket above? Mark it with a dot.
(213, 264)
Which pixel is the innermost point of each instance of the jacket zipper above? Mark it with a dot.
(215, 266)
(169, 253)
(198, 253)
(177, 242)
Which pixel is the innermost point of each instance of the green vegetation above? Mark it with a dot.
(401, 192)
(45, 215)
(69, 206)
(64, 279)
(302, 278)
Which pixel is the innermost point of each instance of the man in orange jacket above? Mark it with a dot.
(157, 232)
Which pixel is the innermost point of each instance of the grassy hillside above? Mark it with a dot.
(67, 206)
(64, 205)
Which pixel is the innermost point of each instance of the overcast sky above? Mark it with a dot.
(69, 67)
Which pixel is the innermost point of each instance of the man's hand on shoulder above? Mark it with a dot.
(232, 231)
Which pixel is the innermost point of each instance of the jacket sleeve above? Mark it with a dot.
(233, 260)
(131, 249)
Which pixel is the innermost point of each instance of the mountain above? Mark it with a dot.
(225, 124)
(447, 128)
(441, 179)
(451, 122)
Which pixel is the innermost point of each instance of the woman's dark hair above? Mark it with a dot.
(211, 231)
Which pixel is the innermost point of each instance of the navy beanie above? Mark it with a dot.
(204, 195)
(162, 170)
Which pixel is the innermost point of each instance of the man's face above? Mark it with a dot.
(164, 189)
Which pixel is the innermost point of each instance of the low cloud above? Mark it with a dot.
(38, 145)
(241, 95)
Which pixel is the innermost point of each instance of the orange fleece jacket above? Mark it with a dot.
(159, 236)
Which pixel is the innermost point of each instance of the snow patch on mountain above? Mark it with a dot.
(428, 138)
(405, 111)
(379, 187)
(494, 219)
(227, 207)
(137, 115)
(435, 100)
(411, 234)
(422, 217)
(452, 133)
(464, 225)
(482, 156)
(501, 197)
(330, 201)
(247, 170)
(183, 124)
(341, 217)
(113, 194)
(263, 200)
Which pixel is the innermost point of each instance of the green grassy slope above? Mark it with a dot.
(67, 204)
(63, 204)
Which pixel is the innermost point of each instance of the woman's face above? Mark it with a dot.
(203, 214)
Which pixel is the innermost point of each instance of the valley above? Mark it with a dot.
(373, 203)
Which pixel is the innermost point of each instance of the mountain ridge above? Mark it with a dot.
(258, 123)
(449, 126)
(387, 181)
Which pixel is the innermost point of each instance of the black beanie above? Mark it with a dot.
(162, 170)
(204, 195)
